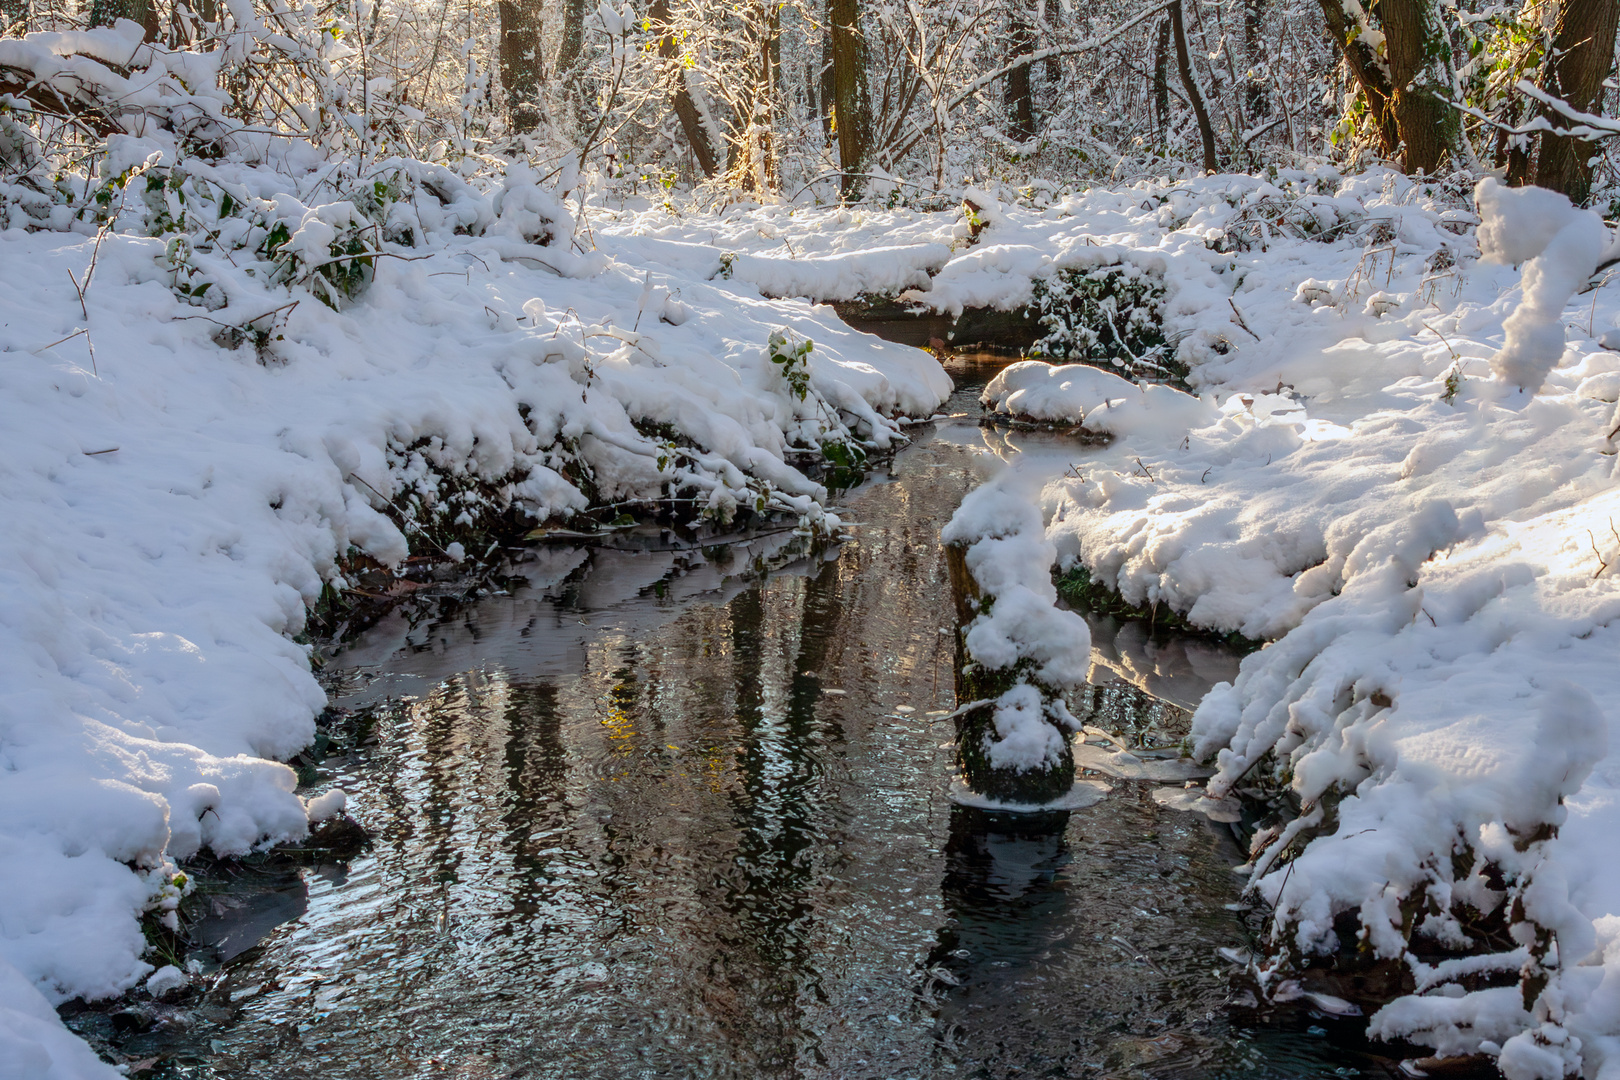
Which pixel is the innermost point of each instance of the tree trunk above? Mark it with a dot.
(107, 12)
(1184, 65)
(1257, 102)
(15, 16)
(573, 38)
(1161, 84)
(1417, 52)
(1583, 53)
(851, 97)
(686, 111)
(1367, 69)
(520, 62)
(1019, 97)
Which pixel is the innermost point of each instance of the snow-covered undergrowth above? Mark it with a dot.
(1400, 471)
(227, 379)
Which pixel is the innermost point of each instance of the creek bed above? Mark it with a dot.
(684, 813)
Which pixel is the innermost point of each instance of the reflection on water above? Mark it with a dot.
(668, 814)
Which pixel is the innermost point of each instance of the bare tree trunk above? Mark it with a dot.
(1161, 84)
(1019, 98)
(1184, 66)
(686, 111)
(1417, 51)
(1256, 101)
(1367, 68)
(107, 12)
(573, 37)
(15, 16)
(1583, 53)
(851, 96)
(520, 61)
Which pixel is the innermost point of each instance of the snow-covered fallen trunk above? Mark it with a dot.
(1018, 652)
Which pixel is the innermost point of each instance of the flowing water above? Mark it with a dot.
(683, 812)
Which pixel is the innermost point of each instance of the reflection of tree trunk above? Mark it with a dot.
(1583, 51)
(697, 136)
(1416, 47)
(1019, 96)
(1367, 68)
(851, 99)
(1184, 65)
(520, 61)
(536, 766)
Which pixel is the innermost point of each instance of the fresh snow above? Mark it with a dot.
(173, 504)
(1396, 466)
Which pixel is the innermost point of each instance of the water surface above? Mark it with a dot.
(684, 813)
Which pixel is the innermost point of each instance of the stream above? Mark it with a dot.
(664, 811)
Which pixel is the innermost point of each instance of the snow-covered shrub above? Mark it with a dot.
(1108, 316)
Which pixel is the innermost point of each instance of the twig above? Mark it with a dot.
(1238, 315)
(1443, 340)
(1602, 565)
(1146, 470)
(96, 453)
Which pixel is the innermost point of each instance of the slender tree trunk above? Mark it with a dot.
(1256, 100)
(1366, 67)
(829, 91)
(520, 62)
(1019, 97)
(1184, 65)
(1161, 84)
(851, 96)
(1054, 64)
(1583, 54)
(1417, 51)
(686, 111)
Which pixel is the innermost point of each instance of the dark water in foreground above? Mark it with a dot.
(626, 825)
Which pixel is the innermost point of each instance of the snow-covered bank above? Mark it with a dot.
(172, 504)
(1367, 483)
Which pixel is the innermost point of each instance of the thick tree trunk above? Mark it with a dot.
(1365, 67)
(573, 37)
(1417, 50)
(686, 111)
(1206, 131)
(107, 12)
(521, 75)
(1019, 97)
(851, 97)
(1583, 53)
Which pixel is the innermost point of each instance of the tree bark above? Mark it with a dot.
(1416, 49)
(1583, 54)
(1161, 83)
(851, 97)
(1019, 97)
(1257, 101)
(520, 61)
(1365, 67)
(686, 111)
(1184, 65)
(107, 12)
(15, 16)
(573, 37)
